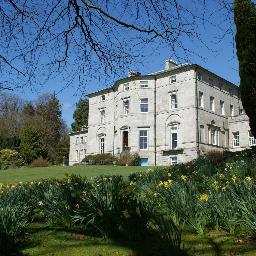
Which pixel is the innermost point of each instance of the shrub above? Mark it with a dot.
(127, 158)
(10, 158)
(40, 163)
(102, 159)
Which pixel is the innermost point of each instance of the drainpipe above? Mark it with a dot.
(155, 121)
(197, 125)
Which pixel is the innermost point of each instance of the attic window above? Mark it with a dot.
(143, 84)
(103, 97)
(173, 79)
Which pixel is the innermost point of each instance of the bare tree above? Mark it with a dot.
(90, 38)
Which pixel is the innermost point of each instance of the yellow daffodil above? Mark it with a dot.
(203, 198)
(222, 176)
(184, 177)
(215, 185)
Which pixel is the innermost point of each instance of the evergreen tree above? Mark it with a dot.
(31, 145)
(245, 20)
(80, 115)
(49, 122)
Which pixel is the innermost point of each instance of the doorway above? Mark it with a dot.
(125, 140)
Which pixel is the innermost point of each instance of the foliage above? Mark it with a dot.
(10, 158)
(245, 20)
(156, 205)
(127, 158)
(16, 212)
(40, 163)
(80, 115)
(32, 146)
(105, 159)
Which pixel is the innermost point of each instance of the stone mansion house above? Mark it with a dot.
(168, 117)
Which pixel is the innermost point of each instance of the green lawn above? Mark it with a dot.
(55, 242)
(30, 174)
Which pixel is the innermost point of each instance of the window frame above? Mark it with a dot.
(143, 137)
(143, 104)
(236, 139)
(103, 97)
(126, 107)
(126, 87)
(201, 99)
(212, 104)
(222, 107)
(175, 161)
(102, 116)
(102, 145)
(144, 84)
(175, 105)
(172, 79)
(174, 128)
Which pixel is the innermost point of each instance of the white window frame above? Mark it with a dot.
(173, 130)
(202, 134)
(173, 159)
(173, 104)
(236, 140)
(126, 105)
(102, 145)
(102, 116)
(143, 104)
(222, 107)
(126, 87)
(82, 139)
(143, 84)
(201, 99)
(143, 136)
(252, 139)
(213, 136)
(103, 97)
(172, 79)
(212, 103)
(77, 140)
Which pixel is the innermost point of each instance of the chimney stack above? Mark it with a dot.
(133, 73)
(169, 64)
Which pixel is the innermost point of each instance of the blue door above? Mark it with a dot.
(144, 162)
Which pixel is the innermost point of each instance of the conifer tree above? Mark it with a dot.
(245, 20)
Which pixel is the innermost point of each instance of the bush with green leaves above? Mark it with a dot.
(10, 158)
(101, 159)
(128, 158)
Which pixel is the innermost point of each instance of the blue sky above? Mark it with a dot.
(219, 56)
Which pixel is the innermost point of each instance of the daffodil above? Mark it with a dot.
(203, 198)
(126, 214)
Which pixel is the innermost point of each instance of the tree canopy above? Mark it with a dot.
(245, 20)
(80, 115)
(91, 38)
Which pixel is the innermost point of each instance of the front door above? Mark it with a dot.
(125, 140)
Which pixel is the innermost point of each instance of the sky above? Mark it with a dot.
(217, 55)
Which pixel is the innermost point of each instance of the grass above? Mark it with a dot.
(46, 241)
(31, 174)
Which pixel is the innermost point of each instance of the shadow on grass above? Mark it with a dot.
(49, 240)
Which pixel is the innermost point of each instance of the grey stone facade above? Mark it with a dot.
(167, 117)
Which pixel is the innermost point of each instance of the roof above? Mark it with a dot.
(154, 75)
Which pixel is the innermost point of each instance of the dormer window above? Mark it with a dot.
(126, 87)
(103, 97)
(143, 84)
